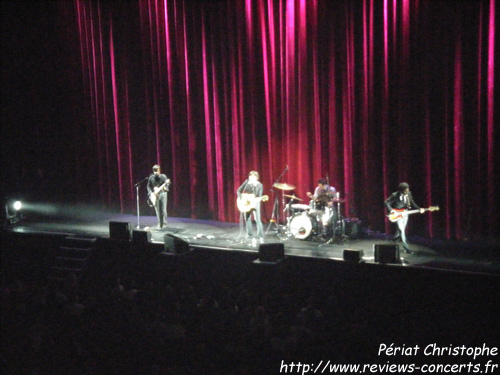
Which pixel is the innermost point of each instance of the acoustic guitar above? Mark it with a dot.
(247, 202)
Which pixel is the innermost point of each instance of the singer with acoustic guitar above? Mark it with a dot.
(249, 198)
(158, 185)
(400, 201)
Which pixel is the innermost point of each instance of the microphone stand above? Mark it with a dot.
(137, 186)
(275, 217)
(243, 218)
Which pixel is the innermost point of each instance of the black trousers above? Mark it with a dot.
(161, 208)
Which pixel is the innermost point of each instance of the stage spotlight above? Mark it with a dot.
(17, 205)
(13, 212)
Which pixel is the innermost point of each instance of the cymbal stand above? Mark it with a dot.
(288, 218)
(285, 232)
(273, 222)
(283, 202)
(284, 229)
(275, 218)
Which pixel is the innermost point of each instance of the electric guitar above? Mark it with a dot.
(399, 213)
(247, 202)
(154, 194)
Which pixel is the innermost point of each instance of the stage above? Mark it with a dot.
(444, 292)
(446, 255)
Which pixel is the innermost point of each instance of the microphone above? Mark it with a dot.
(286, 168)
(140, 182)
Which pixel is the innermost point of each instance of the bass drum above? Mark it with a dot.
(302, 226)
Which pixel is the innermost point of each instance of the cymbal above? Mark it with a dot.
(283, 186)
(293, 197)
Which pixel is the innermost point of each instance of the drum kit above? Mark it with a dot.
(320, 220)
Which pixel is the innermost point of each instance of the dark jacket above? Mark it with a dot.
(248, 188)
(396, 200)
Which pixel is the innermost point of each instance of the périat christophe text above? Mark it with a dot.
(436, 350)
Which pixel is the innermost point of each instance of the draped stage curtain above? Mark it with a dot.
(366, 93)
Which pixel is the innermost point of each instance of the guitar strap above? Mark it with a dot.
(245, 187)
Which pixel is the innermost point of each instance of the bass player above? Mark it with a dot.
(401, 199)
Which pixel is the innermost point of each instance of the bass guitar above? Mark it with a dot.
(399, 213)
(154, 194)
(247, 202)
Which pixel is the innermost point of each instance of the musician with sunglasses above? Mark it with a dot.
(401, 199)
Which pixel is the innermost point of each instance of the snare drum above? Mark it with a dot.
(303, 225)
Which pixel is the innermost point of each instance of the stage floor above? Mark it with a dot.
(459, 256)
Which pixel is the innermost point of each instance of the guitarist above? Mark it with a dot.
(157, 191)
(402, 199)
(252, 185)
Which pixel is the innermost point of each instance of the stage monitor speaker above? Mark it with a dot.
(175, 245)
(120, 230)
(140, 237)
(353, 255)
(271, 252)
(387, 253)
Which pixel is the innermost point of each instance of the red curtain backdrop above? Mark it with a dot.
(365, 93)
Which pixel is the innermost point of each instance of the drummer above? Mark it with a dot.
(323, 194)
